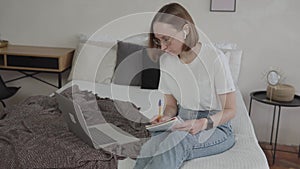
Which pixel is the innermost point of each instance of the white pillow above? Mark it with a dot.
(94, 61)
(234, 57)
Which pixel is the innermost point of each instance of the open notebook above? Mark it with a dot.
(164, 126)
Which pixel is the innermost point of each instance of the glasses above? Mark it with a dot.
(166, 40)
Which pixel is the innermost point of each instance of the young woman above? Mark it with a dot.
(198, 88)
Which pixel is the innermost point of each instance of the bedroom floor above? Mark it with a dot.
(30, 86)
(286, 156)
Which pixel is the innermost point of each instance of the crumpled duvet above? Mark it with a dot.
(33, 134)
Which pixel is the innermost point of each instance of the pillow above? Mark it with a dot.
(129, 64)
(234, 57)
(234, 60)
(150, 73)
(93, 61)
(135, 68)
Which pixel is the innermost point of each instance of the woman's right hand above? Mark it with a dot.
(159, 119)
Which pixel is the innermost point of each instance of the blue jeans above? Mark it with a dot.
(169, 150)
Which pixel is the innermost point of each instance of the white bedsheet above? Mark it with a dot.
(245, 154)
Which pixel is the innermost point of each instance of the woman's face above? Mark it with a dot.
(170, 39)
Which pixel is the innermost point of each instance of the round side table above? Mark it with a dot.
(261, 96)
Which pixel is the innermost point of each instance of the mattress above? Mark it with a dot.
(245, 154)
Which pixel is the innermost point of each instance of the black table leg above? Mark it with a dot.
(299, 151)
(250, 106)
(32, 75)
(274, 154)
(59, 80)
(271, 139)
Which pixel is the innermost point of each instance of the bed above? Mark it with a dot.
(245, 154)
(33, 134)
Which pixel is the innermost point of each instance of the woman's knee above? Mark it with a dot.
(179, 140)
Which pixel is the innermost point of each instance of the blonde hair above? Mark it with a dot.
(177, 16)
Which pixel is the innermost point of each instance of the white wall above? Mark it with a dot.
(267, 31)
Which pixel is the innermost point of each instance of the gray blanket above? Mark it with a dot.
(33, 134)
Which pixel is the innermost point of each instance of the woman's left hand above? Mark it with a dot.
(191, 126)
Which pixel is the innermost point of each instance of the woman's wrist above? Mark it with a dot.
(204, 122)
(168, 114)
(170, 111)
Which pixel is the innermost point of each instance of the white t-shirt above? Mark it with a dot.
(196, 85)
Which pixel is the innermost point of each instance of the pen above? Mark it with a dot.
(159, 110)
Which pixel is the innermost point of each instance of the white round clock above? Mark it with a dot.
(273, 77)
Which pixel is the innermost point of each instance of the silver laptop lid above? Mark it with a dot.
(74, 118)
(77, 124)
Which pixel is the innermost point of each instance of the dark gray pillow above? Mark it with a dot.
(151, 71)
(129, 64)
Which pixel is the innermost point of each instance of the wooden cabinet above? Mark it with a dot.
(37, 59)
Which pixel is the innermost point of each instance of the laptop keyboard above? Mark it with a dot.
(99, 137)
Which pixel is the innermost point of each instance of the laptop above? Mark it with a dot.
(97, 136)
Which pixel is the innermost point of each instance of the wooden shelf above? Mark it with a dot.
(37, 59)
(48, 59)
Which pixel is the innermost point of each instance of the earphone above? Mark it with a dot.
(184, 34)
